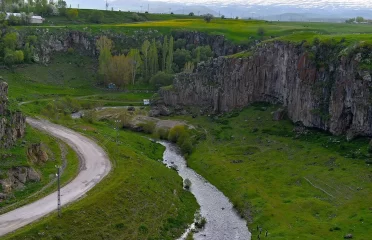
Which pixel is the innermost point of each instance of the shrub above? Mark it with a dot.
(135, 17)
(208, 17)
(176, 133)
(148, 127)
(19, 57)
(191, 14)
(186, 147)
(70, 50)
(96, 17)
(72, 14)
(161, 79)
(162, 134)
(223, 17)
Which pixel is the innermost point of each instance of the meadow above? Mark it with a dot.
(295, 186)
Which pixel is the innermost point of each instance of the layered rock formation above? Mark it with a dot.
(321, 87)
(12, 123)
(84, 41)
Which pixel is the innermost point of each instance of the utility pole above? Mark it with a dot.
(59, 189)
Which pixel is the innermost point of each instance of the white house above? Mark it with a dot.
(36, 20)
(146, 102)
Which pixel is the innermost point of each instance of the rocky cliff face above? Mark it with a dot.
(12, 123)
(84, 41)
(320, 87)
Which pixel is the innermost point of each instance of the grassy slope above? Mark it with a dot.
(140, 199)
(110, 17)
(19, 158)
(243, 31)
(263, 169)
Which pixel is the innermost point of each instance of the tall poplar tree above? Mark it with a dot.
(135, 62)
(145, 54)
(165, 53)
(170, 56)
(154, 59)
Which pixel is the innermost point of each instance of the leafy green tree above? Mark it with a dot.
(181, 57)
(19, 56)
(104, 45)
(189, 67)
(135, 62)
(208, 17)
(154, 58)
(28, 53)
(202, 53)
(145, 58)
(164, 53)
(223, 17)
(180, 43)
(10, 40)
(170, 56)
(359, 19)
(191, 14)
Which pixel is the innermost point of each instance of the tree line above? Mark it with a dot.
(153, 63)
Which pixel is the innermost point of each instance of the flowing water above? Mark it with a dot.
(223, 223)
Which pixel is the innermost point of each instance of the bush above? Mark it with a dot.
(135, 17)
(161, 79)
(72, 14)
(176, 133)
(148, 127)
(96, 17)
(208, 17)
(70, 50)
(191, 14)
(19, 57)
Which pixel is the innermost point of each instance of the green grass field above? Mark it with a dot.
(314, 186)
(58, 153)
(140, 199)
(240, 31)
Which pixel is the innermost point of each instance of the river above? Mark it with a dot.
(223, 222)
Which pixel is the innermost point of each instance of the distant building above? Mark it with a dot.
(146, 102)
(33, 19)
(12, 14)
(37, 20)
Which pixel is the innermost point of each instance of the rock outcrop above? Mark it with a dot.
(12, 122)
(17, 177)
(320, 87)
(37, 153)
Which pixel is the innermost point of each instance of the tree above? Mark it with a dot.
(161, 79)
(154, 58)
(223, 17)
(135, 62)
(208, 17)
(181, 57)
(72, 14)
(359, 19)
(170, 56)
(119, 70)
(189, 67)
(351, 20)
(191, 14)
(96, 16)
(19, 56)
(164, 53)
(10, 40)
(145, 54)
(104, 45)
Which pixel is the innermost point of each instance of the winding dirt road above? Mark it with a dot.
(95, 165)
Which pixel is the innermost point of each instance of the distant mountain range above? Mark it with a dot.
(273, 10)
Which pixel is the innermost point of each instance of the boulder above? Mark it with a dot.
(279, 114)
(348, 236)
(37, 153)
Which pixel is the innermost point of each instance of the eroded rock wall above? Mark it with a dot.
(320, 88)
(12, 123)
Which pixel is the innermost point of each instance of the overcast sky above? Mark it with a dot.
(238, 7)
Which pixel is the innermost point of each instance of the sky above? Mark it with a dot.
(241, 8)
